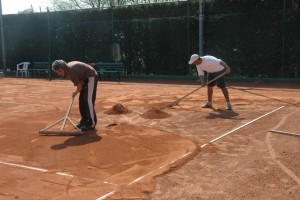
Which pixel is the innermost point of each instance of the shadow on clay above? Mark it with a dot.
(267, 97)
(87, 138)
(223, 114)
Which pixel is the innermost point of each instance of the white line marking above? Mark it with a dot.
(107, 195)
(141, 177)
(149, 173)
(218, 138)
(20, 103)
(23, 166)
(110, 183)
(212, 141)
(64, 174)
(45, 170)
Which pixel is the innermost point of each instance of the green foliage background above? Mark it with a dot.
(254, 37)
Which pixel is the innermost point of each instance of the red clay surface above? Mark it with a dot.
(141, 152)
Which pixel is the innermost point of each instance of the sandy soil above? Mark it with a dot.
(140, 151)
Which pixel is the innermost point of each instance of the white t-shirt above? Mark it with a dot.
(210, 64)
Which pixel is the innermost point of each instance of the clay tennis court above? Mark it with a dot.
(141, 152)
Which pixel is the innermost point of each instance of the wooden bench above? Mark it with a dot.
(40, 68)
(110, 70)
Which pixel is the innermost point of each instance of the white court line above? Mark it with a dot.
(216, 139)
(149, 173)
(21, 103)
(23, 166)
(35, 169)
(141, 177)
(108, 194)
(64, 174)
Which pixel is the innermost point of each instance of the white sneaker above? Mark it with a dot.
(228, 106)
(207, 105)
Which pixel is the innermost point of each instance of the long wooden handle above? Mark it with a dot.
(178, 100)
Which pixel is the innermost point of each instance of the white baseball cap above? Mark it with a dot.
(194, 57)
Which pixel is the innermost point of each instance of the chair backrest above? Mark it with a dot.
(23, 65)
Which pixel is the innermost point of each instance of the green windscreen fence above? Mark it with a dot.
(255, 38)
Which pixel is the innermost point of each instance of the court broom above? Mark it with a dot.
(46, 132)
(174, 103)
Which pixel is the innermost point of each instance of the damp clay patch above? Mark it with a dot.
(117, 109)
(155, 113)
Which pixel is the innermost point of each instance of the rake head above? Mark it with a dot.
(60, 133)
(170, 104)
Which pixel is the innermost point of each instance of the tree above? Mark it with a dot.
(28, 10)
(98, 4)
(84, 4)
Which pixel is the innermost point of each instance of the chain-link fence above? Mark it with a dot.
(253, 39)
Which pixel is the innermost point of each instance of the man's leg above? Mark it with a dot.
(222, 85)
(208, 104)
(83, 119)
(94, 97)
(89, 104)
(226, 94)
(210, 90)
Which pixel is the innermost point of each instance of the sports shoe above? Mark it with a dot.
(228, 106)
(80, 124)
(87, 128)
(207, 105)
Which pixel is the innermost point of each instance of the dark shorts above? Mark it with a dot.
(220, 81)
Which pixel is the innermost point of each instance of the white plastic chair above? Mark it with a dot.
(23, 68)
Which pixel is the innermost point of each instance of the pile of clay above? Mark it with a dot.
(155, 113)
(117, 109)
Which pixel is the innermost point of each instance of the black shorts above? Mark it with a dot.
(220, 81)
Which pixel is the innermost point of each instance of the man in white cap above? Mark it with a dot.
(214, 67)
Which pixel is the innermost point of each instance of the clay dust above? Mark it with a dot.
(117, 109)
(155, 113)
